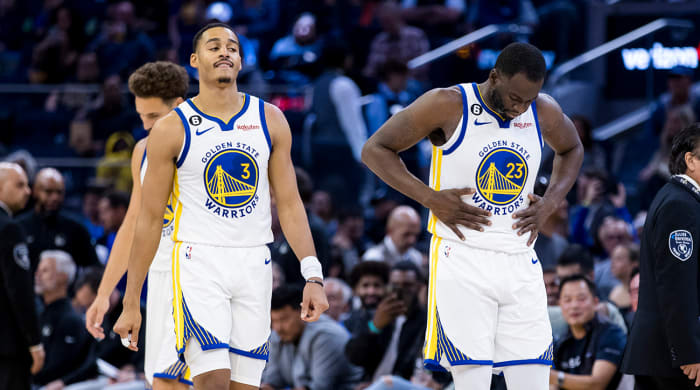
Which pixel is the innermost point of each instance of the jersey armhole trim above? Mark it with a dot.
(537, 122)
(264, 124)
(143, 158)
(186, 144)
(462, 130)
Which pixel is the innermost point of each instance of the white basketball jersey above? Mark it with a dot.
(221, 189)
(496, 157)
(163, 256)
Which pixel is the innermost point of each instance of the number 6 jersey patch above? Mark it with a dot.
(680, 243)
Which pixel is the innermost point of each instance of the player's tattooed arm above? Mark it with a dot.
(436, 115)
(560, 134)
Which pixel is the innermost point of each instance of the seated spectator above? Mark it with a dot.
(91, 210)
(577, 260)
(624, 259)
(589, 354)
(348, 244)
(322, 206)
(613, 231)
(439, 19)
(679, 93)
(112, 208)
(85, 288)
(114, 169)
(551, 240)
(397, 42)
(634, 296)
(390, 342)
(70, 355)
(339, 296)
(402, 231)
(305, 355)
(296, 56)
(551, 285)
(369, 282)
(48, 227)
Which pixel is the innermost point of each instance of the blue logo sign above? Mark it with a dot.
(501, 176)
(680, 243)
(231, 178)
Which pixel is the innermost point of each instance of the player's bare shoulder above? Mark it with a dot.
(168, 133)
(549, 113)
(276, 122)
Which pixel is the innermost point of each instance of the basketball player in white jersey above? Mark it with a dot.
(221, 153)
(487, 301)
(158, 88)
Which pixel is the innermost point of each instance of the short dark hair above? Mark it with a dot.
(198, 35)
(117, 199)
(634, 272)
(287, 295)
(686, 140)
(159, 79)
(407, 265)
(577, 254)
(90, 277)
(520, 57)
(375, 268)
(577, 278)
(391, 67)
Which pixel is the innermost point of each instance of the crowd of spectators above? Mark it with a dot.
(371, 240)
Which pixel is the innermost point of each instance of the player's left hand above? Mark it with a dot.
(314, 302)
(532, 218)
(128, 326)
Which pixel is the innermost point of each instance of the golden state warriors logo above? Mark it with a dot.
(231, 178)
(501, 176)
(169, 215)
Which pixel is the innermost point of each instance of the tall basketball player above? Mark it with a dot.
(221, 153)
(158, 88)
(487, 301)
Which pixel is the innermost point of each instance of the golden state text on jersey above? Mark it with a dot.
(498, 158)
(221, 182)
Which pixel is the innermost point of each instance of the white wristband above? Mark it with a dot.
(311, 268)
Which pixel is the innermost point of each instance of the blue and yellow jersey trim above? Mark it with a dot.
(502, 122)
(178, 370)
(188, 137)
(262, 352)
(225, 125)
(436, 172)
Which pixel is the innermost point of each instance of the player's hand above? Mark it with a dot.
(314, 303)
(94, 315)
(450, 209)
(533, 217)
(38, 357)
(692, 371)
(387, 311)
(128, 326)
(55, 385)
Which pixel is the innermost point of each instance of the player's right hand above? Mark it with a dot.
(38, 358)
(387, 311)
(128, 325)
(94, 315)
(450, 209)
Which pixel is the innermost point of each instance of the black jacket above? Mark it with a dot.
(366, 349)
(666, 329)
(57, 231)
(19, 326)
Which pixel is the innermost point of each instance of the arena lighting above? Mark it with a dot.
(660, 57)
(486, 59)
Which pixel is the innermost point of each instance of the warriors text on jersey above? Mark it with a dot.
(221, 189)
(496, 157)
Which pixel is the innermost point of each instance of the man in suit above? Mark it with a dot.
(663, 351)
(21, 351)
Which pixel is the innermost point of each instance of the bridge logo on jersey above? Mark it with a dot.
(231, 178)
(501, 176)
(168, 218)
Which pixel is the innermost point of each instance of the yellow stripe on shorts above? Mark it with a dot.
(431, 336)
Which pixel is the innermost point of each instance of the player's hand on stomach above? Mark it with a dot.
(448, 207)
(533, 217)
(314, 303)
(387, 311)
(94, 316)
(128, 326)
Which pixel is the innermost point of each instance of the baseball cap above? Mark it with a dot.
(681, 71)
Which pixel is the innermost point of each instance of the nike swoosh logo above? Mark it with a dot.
(203, 131)
(267, 261)
(477, 123)
(534, 261)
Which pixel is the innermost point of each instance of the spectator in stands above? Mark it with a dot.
(47, 227)
(397, 42)
(112, 208)
(439, 19)
(369, 282)
(613, 231)
(277, 275)
(339, 295)
(114, 169)
(110, 349)
(594, 155)
(339, 129)
(551, 285)
(624, 260)
(577, 260)
(402, 231)
(391, 96)
(589, 355)
(390, 342)
(634, 296)
(91, 210)
(322, 206)
(305, 355)
(551, 240)
(347, 246)
(121, 47)
(383, 201)
(70, 355)
(282, 253)
(296, 56)
(258, 20)
(21, 352)
(679, 83)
